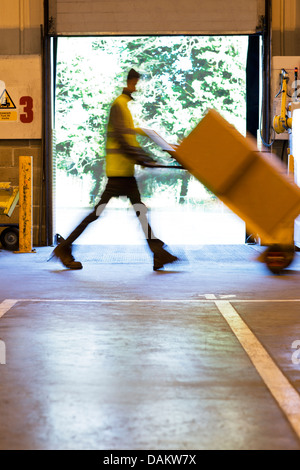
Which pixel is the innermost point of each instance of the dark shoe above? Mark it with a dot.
(162, 258)
(64, 254)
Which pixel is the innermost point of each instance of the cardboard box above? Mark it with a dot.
(254, 185)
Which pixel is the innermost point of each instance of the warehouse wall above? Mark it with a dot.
(20, 22)
(20, 35)
(286, 27)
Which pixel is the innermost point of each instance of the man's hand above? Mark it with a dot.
(149, 164)
(145, 160)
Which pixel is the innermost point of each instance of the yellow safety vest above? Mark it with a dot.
(120, 121)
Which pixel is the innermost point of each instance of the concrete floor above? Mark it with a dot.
(117, 356)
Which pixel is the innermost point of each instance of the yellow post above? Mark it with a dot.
(25, 205)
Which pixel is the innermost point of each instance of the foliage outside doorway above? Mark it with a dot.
(183, 76)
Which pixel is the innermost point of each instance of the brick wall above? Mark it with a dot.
(20, 34)
(10, 151)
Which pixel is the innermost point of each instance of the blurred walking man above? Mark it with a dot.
(122, 154)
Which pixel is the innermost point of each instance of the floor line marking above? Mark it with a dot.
(208, 300)
(6, 305)
(281, 389)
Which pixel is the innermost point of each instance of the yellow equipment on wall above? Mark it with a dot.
(283, 122)
(9, 198)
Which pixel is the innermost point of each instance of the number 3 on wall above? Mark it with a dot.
(27, 102)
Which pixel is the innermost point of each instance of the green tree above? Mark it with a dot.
(183, 77)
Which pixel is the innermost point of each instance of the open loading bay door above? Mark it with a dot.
(99, 22)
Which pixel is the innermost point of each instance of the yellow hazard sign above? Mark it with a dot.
(6, 102)
(6, 107)
(7, 116)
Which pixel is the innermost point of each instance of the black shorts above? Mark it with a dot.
(121, 186)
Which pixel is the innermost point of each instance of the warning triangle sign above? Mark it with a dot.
(6, 102)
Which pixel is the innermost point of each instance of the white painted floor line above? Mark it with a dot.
(284, 393)
(114, 300)
(6, 305)
(207, 300)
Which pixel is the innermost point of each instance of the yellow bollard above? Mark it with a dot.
(25, 205)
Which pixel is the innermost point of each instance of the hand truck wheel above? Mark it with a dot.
(9, 239)
(279, 257)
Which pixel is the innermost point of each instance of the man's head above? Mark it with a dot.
(132, 79)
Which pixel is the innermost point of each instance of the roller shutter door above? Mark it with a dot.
(138, 17)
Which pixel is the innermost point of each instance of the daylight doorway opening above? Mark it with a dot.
(183, 76)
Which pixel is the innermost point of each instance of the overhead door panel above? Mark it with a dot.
(119, 17)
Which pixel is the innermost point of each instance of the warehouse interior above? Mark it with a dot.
(204, 353)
